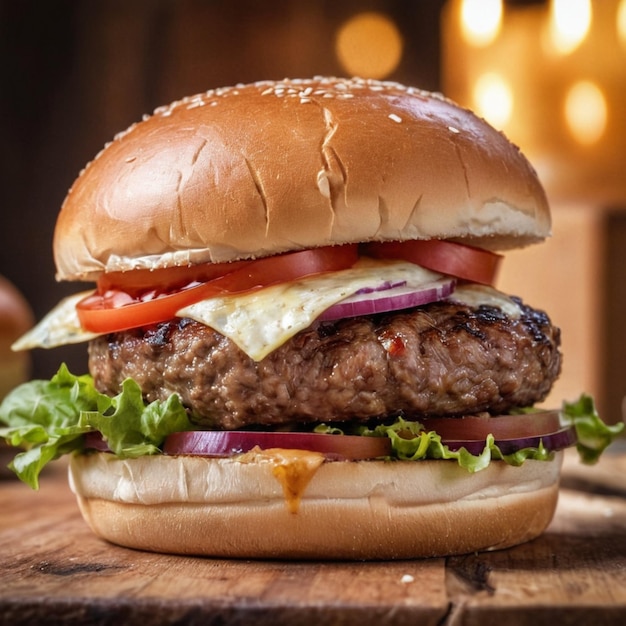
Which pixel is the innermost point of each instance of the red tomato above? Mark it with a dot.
(446, 257)
(167, 279)
(111, 308)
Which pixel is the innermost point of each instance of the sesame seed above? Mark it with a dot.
(452, 129)
(323, 184)
(395, 118)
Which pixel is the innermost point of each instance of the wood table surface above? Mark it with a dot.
(54, 571)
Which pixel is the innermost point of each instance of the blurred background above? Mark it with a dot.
(550, 73)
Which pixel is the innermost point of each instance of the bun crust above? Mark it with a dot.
(16, 317)
(260, 169)
(349, 510)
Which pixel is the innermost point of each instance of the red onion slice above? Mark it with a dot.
(563, 438)
(394, 298)
(228, 443)
(502, 427)
(93, 441)
(334, 447)
(382, 287)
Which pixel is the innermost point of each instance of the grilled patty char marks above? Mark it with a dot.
(439, 359)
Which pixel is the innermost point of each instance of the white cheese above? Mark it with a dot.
(261, 321)
(59, 327)
(475, 295)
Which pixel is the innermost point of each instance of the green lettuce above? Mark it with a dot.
(411, 442)
(593, 435)
(50, 417)
(428, 445)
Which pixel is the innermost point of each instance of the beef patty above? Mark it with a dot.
(439, 359)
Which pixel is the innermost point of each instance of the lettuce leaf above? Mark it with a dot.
(593, 435)
(49, 419)
(410, 442)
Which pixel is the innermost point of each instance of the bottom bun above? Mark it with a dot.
(349, 510)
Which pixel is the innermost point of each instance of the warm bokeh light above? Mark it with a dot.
(570, 21)
(369, 45)
(493, 99)
(621, 21)
(586, 112)
(554, 80)
(481, 21)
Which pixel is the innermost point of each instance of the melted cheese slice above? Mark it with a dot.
(59, 327)
(261, 321)
(476, 295)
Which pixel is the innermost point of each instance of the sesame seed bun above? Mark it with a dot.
(255, 170)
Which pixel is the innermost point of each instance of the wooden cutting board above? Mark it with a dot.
(54, 571)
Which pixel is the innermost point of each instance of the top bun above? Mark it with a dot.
(255, 170)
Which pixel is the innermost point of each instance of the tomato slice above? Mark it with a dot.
(473, 427)
(113, 309)
(167, 279)
(446, 257)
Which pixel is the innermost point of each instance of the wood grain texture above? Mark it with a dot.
(54, 571)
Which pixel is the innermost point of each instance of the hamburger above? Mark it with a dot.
(296, 349)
